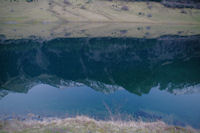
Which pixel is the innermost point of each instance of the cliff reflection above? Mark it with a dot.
(104, 64)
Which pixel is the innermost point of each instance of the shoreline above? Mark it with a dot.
(105, 22)
(96, 29)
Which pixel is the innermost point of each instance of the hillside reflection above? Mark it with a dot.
(104, 64)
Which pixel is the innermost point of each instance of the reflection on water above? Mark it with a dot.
(108, 66)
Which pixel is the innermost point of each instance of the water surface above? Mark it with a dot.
(105, 78)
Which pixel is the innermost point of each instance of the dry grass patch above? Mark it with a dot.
(83, 124)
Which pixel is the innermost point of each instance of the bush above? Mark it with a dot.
(123, 31)
(183, 11)
(83, 7)
(67, 2)
(149, 15)
(141, 13)
(125, 8)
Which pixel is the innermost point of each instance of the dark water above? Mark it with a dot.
(105, 78)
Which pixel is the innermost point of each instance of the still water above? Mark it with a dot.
(105, 78)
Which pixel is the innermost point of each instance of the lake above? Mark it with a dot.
(103, 77)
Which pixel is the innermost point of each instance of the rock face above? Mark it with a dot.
(105, 64)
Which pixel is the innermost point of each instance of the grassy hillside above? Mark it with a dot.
(94, 11)
(79, 18)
